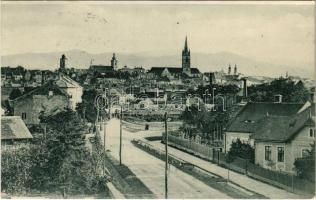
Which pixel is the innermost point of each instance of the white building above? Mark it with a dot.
(72, 88)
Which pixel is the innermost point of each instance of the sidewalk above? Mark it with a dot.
(240, 179)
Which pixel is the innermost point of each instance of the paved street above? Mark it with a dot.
(150, 170)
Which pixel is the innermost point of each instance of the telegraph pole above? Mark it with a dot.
(166, 163)
(104, 133)
(121, 136)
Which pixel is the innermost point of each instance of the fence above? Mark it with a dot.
(286, 181)
(192, 147)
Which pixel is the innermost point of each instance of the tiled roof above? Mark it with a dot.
(172, 70)
(101, 68)
(283, 128)
(66, 82)
(13, 127)
(164, 78)
(248, 119)
(195, 71)
(159, 70)
(44, 90)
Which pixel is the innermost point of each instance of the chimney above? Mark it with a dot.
(211, 78)
(229, 69)
(245, 92)
(235, 70)
(278, 98)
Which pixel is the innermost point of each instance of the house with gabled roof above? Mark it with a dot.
(51, 98)
(245, 124)
(279, 140)
(14, 133)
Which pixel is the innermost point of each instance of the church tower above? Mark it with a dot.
(186, 58)
(113, 62)
(62, 63)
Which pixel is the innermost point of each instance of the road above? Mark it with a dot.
(150, 170)
(243, 180)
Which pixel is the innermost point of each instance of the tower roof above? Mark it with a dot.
(186, 44)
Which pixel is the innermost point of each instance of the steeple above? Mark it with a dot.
(186, 58)
(186, 44)
(114, 61)
(62, 63)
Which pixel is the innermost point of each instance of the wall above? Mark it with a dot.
(260, 155)
(292, 150)
(33, 105)
(75, 93)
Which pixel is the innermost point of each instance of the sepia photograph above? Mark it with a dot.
(157, 99)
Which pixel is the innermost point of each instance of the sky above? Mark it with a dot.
(274, 33)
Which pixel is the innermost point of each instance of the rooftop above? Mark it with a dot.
(13, 127)
(283, 128)
(248, 119)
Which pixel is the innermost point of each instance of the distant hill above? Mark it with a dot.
(205, 62)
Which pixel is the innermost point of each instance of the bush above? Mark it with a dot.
(241, 150)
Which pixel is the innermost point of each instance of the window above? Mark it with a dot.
(280, 154)
(23, 115)
(305, 153)
(311, 132)
(267, 153)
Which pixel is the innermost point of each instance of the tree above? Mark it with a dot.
(15, 170)
(15, 93)
(241, 150)
(87, 108)
(69, 165)
(289, 89)
(305, 166)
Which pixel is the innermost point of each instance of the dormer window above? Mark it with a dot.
(50, 93)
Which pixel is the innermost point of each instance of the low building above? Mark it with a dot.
(72, 88)
(14, 133)
(281, 139)
(251, 117)
(47, 99)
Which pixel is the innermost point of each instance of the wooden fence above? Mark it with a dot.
(288, 182)
(192, 147)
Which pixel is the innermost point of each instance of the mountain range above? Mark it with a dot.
(205, 62)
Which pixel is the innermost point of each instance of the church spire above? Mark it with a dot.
(186, 44)
(186, 57)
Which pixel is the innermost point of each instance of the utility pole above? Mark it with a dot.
(104, 133)
(45, 132)
(166, 163)
(121, 136)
